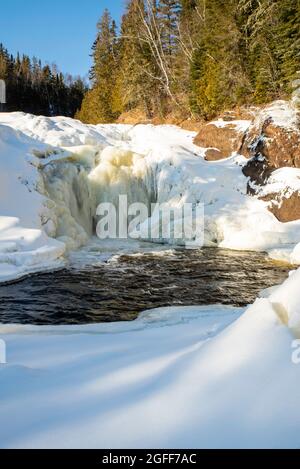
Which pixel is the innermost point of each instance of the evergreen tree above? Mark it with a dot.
(168, 13)
(218, 75)
(193, 57)
(262, 21)
(36, 89)
(101, 103)
(288, 41)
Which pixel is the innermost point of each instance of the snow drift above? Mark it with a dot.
(199, 377)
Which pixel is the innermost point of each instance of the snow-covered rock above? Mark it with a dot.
(222, 138)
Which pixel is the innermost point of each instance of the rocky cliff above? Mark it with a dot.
(269, 138)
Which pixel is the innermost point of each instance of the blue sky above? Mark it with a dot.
(60, 31)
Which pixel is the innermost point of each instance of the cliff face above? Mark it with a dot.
(270, 141)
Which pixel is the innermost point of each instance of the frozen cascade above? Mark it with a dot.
(77, 184)
(67, 185)
(122, 172)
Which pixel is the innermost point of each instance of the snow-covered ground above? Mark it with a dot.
(174, 378)
(188, 377)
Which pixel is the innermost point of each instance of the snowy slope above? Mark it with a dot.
(175, 378)
(24, 246)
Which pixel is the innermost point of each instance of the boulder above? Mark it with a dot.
(285, 209)
(221, 138)
(258, 171)
(281, 146)
(277, 140)
(212, 154)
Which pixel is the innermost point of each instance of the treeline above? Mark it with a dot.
(37, 89)
(192, 57)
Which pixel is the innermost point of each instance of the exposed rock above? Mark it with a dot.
(281, 146)
(221, 138)
(270, 142)
(285, 209)
(273, 142)
(275, 135)
(212, 154)
(258, 170)
(253, 142)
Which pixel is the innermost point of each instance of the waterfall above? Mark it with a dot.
(76, 185)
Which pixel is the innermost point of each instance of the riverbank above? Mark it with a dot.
(200, 377)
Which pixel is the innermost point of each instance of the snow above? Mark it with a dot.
(24, 247)
(282, 180)
(195, 377)
(239, 125)
(283, 114)
(199, 377)
(289, 254)
(286, 296)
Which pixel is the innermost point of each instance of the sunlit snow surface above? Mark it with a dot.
(173, 378)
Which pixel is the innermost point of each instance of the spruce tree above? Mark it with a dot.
(168, 14)
(101, 102)
(288, 41)
(218, 75)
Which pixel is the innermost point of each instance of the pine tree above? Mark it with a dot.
(218, 75)
(168, 14)
(35, 89)
(137, 67)
(99, 105)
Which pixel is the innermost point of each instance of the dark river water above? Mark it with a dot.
(120, 288)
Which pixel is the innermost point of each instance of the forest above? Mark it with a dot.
(181, 58)
(192, 57)
(37, 89)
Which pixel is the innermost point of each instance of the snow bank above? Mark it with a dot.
(283, 114)
(286, 299)
(200, 377)
(24, 246)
